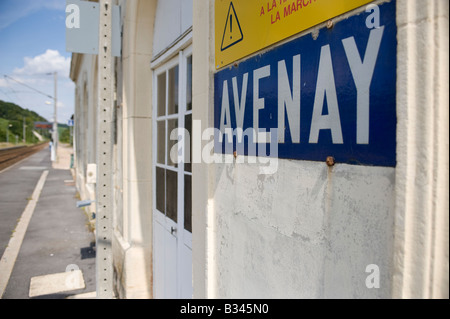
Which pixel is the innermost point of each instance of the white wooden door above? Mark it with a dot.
(172, 217)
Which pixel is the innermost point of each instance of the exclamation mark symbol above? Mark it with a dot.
(232, 32)
(231, 26)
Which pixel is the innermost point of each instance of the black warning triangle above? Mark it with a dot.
(232, 33)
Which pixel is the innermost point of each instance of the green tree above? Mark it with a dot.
(12, 118)
(64, 134)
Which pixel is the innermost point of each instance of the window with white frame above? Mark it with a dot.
(172, 208)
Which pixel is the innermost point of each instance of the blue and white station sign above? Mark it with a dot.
(326, 94)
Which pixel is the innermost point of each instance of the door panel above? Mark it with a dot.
(170, 266)
(158, 261)
(186, 274)
(172, 213)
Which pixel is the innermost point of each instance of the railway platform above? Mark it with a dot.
(46, 248)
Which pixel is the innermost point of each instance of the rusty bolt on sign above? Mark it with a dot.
(330, 161)
(329, 24)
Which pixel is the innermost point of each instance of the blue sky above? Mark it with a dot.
(32, 44)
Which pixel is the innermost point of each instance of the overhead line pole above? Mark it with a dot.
(55, 121)
(24, 138)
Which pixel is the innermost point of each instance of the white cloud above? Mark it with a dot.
(34, 73)
(49, 62)
(3, 83)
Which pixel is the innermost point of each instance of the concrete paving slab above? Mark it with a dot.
(56, 283)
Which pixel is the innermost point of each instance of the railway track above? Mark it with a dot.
(12, 155)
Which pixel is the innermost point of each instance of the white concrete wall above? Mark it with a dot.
(310, 231)
(307, 231)
(422, 174)
(203, 252)
(132, 241)
(85, 122)
(132, 162)
(173, 18)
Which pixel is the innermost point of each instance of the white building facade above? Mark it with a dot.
(215, 227)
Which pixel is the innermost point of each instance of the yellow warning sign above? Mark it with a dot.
(243, 27)
(233, 32)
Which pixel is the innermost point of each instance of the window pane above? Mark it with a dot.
(189, 84)
(161, 94)
(161, 137)
(188, 203)
(171, 195)
(188, 144)
(160, 190)
(173, 91)
(172, 147)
